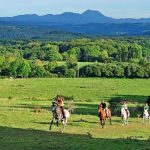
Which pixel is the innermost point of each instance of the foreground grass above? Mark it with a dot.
(29, 130)
(25, 115)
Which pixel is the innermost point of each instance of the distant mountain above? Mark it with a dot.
(70, 25)
(27, 32)
(89, 16)
(108, 29)
(68, 32)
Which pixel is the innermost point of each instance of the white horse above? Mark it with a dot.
(67, 115)
(58, 117)
(146, 117)
(124, 115)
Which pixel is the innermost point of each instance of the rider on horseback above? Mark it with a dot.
(146, 107)
(60, 103)
(104, 107)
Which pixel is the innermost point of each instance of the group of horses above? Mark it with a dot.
(102, 114)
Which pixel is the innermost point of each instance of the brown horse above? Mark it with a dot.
(102, 115)
(109, 115)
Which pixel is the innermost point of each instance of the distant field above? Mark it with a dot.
(81, 64)
(23, 128)
(86, 89)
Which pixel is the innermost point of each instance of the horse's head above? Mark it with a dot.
(100, 106)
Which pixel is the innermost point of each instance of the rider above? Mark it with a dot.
(60, 103)
(146, 107)
(125, 105)
(104, 106)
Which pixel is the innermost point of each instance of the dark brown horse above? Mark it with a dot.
(102, 115)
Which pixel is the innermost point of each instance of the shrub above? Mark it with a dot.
(115, 104)
(71, 73)
(148, 100)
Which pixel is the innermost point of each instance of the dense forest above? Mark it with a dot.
(107, 57)
(13, 31)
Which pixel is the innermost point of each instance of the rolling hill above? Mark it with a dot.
(70, 25)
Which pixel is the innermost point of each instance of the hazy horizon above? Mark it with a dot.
(77, 13)
(110, 8)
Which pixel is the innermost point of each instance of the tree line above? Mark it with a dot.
(115, 57)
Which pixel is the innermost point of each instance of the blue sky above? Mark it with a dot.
(112, 8)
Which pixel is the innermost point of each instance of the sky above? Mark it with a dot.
(111, 8)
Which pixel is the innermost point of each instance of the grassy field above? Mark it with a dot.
(25, 115)
(80, 64)
(81, 89)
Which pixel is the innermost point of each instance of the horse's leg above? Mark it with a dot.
(143, 120)
(51, 123)
(57, 122)
(100, 121)
(146, 121)
(127, 118)
(109, 117)
(110, 121)
(122, 120)
(62, 126)
(65, 121)
(62, 129)
(104, 123)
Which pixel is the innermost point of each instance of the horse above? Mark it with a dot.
(109, 115)
(102, 115)
(146, 116)
(58, 117)
(124, 115)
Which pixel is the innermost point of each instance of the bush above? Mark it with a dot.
(71, 73)
(50, 75)
(115, 70)
(148, 100)
(61, 71)
(115, 104)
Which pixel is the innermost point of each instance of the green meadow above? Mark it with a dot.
(25, 114)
